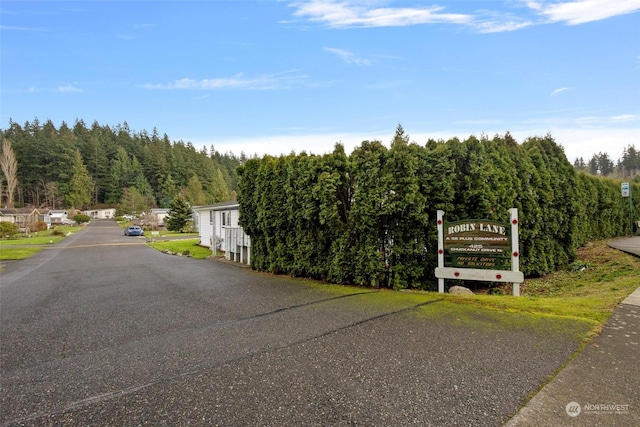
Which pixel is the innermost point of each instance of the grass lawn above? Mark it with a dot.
(41, 237)
(587, 292)
(166, 233)
(183, 246)
(23, 247)
(9, 253)
(588, 289)
(33, 240)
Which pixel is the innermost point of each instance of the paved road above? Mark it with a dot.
(103, 330)
(601, 386)
(627, 244)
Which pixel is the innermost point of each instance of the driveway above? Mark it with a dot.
(103, 330)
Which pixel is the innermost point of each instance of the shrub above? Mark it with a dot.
(368, 218)
(8, 229)
(36, 226)
(81, 218)
(57, 233)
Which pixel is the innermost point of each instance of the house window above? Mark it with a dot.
(224, 218)
(210, 217)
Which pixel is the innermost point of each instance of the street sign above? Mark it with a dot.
(625, 188)
(475, 243)
(479, 249)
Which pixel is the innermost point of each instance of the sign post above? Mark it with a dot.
(440, 250)
(479, 249)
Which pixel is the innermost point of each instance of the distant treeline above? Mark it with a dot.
(627, 167)
(369, 218)
(135, 170)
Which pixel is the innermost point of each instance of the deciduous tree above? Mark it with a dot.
(9, 166)
(131, 202)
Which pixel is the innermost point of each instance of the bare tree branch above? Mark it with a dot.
(9, 166)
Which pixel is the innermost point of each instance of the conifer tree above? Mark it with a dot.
(80, 185)
(193, 192)
(168, 191)
(218, 189)
(179, 215)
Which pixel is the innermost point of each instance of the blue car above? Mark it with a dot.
(133, 230)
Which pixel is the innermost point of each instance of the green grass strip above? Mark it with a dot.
(10, 254)
(183, 246)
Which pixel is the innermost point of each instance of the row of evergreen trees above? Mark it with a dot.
(627, 167)
(134, 169)
(369, 218)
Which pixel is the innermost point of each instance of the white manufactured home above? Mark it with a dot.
(23, 217)
(100, 213)
(219, 230)
(58, 217)
(155, 217)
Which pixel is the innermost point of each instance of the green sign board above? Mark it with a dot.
(477, 243)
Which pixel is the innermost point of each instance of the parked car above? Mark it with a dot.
(133, 230)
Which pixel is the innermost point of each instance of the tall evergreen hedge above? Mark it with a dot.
(369, 218)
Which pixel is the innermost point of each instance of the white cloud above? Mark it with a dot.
(361, 14)
(586, 142)
(12, 28)
(576, 141)
(354, 13)
(583, 11)
(559, 90)
(498, 26)
(67, 89)
(239, 81)
(625, 118)
(275, 145)
(603, 121)
(348, 57)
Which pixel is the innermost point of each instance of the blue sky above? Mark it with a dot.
(274, 76)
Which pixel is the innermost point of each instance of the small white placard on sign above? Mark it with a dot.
(626, 189)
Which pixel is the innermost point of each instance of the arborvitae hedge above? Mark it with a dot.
(369, 218)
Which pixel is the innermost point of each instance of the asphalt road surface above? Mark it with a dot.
(103, 330)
